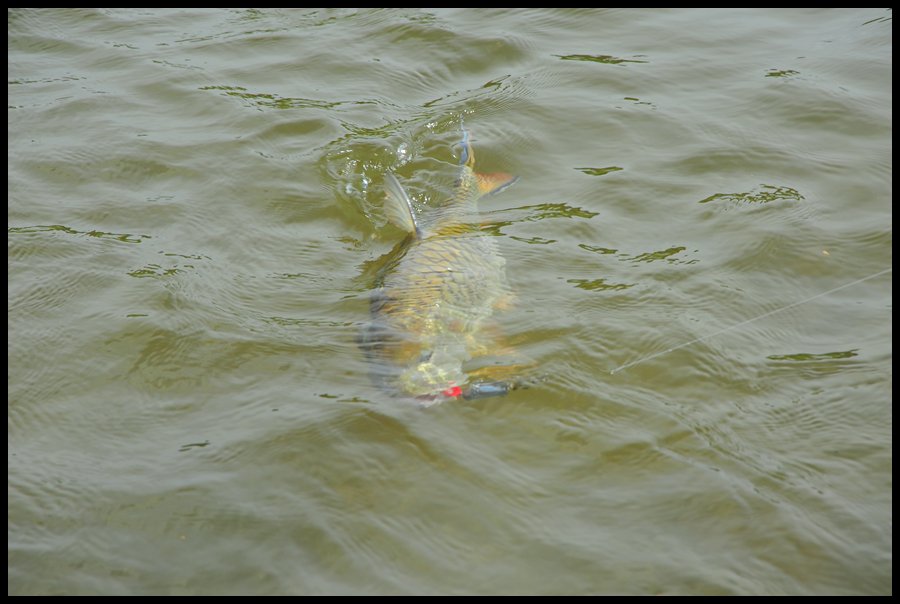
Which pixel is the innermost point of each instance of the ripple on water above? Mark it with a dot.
(195, 223)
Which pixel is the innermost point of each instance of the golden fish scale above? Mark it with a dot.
(443, 284)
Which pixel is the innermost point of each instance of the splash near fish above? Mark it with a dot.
(431, 336)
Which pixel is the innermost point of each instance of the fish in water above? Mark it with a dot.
(430, 336)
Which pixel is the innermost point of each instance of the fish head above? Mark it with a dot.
(437, 373)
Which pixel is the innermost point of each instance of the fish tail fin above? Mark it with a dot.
(489, 184)
(398, 206)
(467, 154)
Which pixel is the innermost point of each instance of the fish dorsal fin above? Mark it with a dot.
(398, 206)
(494, 183)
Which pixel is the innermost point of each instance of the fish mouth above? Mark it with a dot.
(448, 394)
(443, 373)
(476, 390)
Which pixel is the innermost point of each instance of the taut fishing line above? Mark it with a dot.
(751, 320)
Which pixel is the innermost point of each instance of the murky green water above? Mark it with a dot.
(193, 208)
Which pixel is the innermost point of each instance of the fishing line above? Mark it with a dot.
(751, 320)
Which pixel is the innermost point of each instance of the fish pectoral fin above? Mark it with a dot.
(500, 372)
(398, 206)
(494, 183)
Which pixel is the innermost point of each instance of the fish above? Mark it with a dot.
(432, 336)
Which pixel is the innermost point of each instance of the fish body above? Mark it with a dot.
(431, 335)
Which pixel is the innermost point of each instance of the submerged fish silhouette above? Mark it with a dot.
(430, 336)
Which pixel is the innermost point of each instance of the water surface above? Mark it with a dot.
(194, 208)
